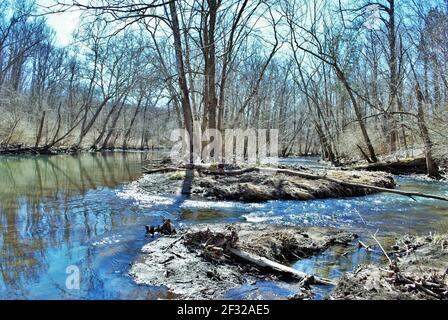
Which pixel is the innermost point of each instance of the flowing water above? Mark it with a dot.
(85, 212)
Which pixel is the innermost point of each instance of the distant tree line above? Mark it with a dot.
(343, 78)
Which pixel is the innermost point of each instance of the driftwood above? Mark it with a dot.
(265, 263)
(398, 167)
(217, 246)
(166, 229)
(363, 245)
(433, 285)
(406, 251)
(296, 173)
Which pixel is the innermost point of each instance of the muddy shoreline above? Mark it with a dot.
(191, 272)
(419, 272)
(419, 268)
(264, 186)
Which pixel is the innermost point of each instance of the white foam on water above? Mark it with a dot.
(207, 204)
(255, 218)
(107, 240)
(202, 204)
(133, 192)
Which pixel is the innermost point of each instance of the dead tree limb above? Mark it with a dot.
(363, 245)
(265, 263)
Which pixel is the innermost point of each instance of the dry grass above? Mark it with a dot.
(438, 127)
(177, 175)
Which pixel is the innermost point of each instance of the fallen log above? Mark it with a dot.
(265, 263)
(417, 166)
(360, 185)
(206, 169)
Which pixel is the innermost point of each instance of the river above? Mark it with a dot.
(86, 211)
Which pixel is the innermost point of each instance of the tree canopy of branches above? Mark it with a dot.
(343, 78)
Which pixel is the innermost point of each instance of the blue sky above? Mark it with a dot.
(65, 23)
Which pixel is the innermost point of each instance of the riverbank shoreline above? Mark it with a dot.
(207, 260)
(418, 271)
(198, 263)
(414, 166)
(68, 150)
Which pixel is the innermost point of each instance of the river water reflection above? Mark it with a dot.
(86, 211)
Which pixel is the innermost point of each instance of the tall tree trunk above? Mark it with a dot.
(393, 80)
(87, 125)
(359, 115)
(104, 127)
(185, 101)
(39, 132)
(142, 145)
(127, 135)
(211, 68)
(433, 170)
(112, 129)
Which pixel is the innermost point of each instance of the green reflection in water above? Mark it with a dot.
(45, 209)
(71, 174)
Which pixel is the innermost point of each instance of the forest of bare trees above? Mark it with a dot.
(342, 78)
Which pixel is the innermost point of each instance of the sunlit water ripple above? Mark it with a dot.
(89, 211)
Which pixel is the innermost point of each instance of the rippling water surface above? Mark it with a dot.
(87, 211)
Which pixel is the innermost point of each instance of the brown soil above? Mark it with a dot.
(420, 272)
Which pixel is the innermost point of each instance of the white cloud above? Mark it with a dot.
(63, 23)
